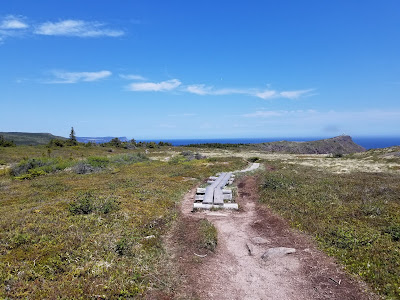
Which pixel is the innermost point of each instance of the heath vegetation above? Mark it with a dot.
(354, 217)
(85, 222)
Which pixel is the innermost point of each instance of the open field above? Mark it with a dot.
(89, 221)
(95, 235)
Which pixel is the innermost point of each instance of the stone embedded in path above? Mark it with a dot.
(277, 252)
(258, 240)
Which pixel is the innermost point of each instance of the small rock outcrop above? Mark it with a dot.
(338, 145)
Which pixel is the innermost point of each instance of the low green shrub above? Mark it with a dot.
(83, 205)
(129, 158)
(34, 167)
(393, 231)
(87, 203)
(122, 246)
(31, 174)
(208, 235)
(98, 161)
(84, 168)
(20, 239)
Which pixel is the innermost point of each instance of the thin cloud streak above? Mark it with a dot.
(13, 22)
(132, 77)
(16, 26)
(202, 89)
(162, 86)
(295, 94)
(278, 113)
(75, 77)
(77, 28)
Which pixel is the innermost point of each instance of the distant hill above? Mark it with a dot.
(337, 145)
(28, 138)
(99, 140)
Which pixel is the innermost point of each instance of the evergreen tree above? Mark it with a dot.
(72, 137)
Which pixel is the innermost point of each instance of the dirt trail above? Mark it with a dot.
(237, 271)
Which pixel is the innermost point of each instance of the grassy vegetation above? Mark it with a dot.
(355, 217)
(208, 235)
(71, 235)
(12, 155)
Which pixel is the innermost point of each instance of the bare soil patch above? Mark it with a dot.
(237, 271)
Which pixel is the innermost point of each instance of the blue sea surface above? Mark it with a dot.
(366, 142)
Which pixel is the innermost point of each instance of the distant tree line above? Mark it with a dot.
(6, 143)
(216, 145)
(115, 142)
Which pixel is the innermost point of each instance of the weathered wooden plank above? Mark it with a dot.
(226, 191)
(218, 197)
(200, 191)
(202, 206)
(209, 195)
(227, 196)
(218, 194)
(224, 180)
(199, 198)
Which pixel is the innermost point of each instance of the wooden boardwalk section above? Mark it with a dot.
(215, 194)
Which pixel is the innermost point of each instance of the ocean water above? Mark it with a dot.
(366, 142)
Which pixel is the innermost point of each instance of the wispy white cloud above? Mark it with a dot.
(199, 89)
(75, 77)
(13, 22)
(12, 26)
(132, 77)
(162, 86)
(295, 94)
(76, 28)
(202, 89)
(278, 113)
(267, 94)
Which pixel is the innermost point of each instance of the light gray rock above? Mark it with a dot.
(259, 240)
(277, 252)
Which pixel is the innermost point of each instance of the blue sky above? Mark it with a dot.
(200, 69)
